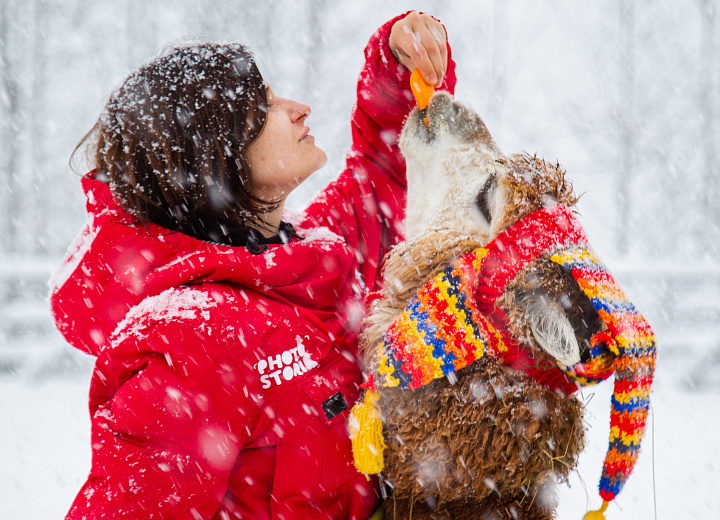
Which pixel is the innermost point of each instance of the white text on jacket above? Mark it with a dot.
(291, 363)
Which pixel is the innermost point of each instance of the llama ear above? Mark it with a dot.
(551, 328)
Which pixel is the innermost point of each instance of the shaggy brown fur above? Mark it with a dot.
(493, 444)
(532, 183)
(493, 437)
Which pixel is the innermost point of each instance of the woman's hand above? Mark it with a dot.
(419, 41)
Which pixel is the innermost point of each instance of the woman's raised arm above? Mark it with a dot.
(366, 203)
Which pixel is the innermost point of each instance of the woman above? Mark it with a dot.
(225, 337)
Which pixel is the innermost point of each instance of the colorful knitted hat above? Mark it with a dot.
(453, 321)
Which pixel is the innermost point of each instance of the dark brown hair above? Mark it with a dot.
(171, 141)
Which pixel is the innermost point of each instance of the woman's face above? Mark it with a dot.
(284, 154)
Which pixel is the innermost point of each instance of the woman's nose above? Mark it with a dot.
(299, 111)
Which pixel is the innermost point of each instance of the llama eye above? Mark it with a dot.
(483, 198)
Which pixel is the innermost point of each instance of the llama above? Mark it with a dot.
(480, 421)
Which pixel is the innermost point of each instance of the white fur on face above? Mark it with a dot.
(448, 165)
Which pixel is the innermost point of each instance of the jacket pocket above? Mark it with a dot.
(314, 457)
(332, 395)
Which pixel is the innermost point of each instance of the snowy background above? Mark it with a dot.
(624, 94)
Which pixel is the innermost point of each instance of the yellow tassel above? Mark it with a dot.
(366, 435)
(378, 515)
(597, 515)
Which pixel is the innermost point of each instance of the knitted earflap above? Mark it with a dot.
(633, 344)
(440, 331)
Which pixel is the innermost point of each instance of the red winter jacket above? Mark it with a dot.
(223, 378)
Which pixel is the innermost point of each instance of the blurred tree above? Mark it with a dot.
(316, 10)
(627, 121)
(37, 214)
(11, 122)
(498, 68)
(708, 105)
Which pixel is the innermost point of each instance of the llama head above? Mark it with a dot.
(459, 181)
(453, 168)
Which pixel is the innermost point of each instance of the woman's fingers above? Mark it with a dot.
(419, 41)
(436, 55)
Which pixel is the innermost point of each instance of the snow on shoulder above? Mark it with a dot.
(310, 234)
(175, 304)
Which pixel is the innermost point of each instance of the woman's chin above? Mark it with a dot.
(322, 160)
(322, 164)
(319, 162)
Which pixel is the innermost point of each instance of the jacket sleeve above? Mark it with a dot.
(366, 203)
(165, 435)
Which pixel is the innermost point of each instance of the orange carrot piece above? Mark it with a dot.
(420, 89)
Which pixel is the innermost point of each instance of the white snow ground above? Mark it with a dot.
(45, 447)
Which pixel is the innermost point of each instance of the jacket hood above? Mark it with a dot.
(115, 263)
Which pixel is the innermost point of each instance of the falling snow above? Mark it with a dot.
(635, 127)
